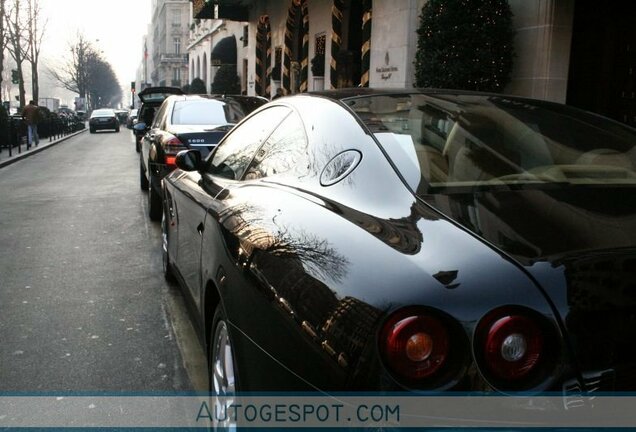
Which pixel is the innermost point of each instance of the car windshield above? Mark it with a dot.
(206, 112)
(449, 141)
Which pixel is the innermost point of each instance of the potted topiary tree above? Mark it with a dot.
(226, 80)
(197, 86)
(465, 45)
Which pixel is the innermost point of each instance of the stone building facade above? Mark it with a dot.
(568, 51)
(212, 43)
(169, 30)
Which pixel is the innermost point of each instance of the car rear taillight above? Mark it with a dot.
(414, 344)
(171, 147)
(171, 161)
(514, 347)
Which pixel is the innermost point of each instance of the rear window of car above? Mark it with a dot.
(156, 98)
(490, 141)
(202, 112)
(103, 113)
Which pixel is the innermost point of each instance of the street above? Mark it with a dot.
(83, 302)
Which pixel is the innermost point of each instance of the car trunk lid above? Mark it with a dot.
(579, 244)
(202, 138)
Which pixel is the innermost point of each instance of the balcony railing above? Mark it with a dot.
(174, 58)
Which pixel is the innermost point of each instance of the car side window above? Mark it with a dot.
(159, 117)
(236, 151)
(284, 152)
(148, 115)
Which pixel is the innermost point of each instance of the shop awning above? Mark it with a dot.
(233, 10)
(224, 52)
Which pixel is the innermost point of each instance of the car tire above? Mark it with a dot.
(221, 365)
(155, 204)
(117, 130)
(168, 273)
(92, 130)
(143, 181)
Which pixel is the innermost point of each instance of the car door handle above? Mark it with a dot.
(200, 228)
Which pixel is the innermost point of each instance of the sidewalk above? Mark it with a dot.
(5, 159)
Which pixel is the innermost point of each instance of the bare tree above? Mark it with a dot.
(88, 74)
(35, 33)
(73, 75)
(3, 42)
(15, 30)
(104, 88)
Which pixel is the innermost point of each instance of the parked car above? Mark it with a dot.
(182, 122)
(151, 99)
(104, 118)
(385, 240)
(132, 116)
(122, 115)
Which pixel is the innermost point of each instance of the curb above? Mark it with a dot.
(38, 149)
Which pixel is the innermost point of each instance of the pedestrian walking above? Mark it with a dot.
(31, 116)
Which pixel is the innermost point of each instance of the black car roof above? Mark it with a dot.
(220, 97)
(345, 93)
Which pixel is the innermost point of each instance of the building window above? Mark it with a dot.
(246, 35)
(176, 17)
(177, 45)
(176, 77)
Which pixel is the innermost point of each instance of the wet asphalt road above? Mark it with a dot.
(83, 302)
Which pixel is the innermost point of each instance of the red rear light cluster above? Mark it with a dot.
(414, 344)
(171, 160)
(513, 348)
(171, 147)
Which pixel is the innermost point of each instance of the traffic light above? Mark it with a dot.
(132, 86)
(14, 76)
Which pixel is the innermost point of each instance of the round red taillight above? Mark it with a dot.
(513, 346)
(414, 347)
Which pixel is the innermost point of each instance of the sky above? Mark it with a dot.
(116, 27)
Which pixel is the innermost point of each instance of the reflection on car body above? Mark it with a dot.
(410, 240)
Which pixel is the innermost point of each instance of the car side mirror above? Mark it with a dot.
(140, 127)
(189, 160)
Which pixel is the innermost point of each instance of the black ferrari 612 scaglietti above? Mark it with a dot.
(385, 240)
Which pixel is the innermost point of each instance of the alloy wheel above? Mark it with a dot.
(167, 270)
(222, 373)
